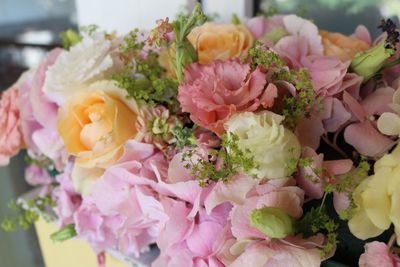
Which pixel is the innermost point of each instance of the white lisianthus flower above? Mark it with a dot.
(88, 61)
(267, 140)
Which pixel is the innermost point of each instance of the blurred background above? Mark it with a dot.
(30, 28)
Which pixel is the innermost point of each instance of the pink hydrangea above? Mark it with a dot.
(193, 242)
(99, 230)
(35, 175)
(10, 124)
(213, 92)
(261, 25)
(261, 253)
(67, 199)
(39, 115)
(280, 193)
(125, 198)
(378, 254)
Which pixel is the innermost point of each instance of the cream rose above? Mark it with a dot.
(94, 124)
(271, 144)
(214, 41)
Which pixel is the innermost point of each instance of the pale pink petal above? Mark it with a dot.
(339, 116)
(309, 131)
(367, 140)
(377, 254)
(234, 191)
(363, 34)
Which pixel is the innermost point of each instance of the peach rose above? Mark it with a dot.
(95, 123)
(342, 46)
(220, 41)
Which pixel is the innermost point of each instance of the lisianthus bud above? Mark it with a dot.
(276, 34)
(369, 62)
(273, 222)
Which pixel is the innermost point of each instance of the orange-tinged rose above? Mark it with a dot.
(342, 46)
(220, 41)
(95, 123)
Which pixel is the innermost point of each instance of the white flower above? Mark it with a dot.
(88, 61)
(271, 144)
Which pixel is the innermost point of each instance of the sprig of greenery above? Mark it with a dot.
(304, 103)
(231, 160)
(348, 183)
(184, 51)
(143, 77)
(295, 107)
(184, 136)
(318, 221)
(26, 214)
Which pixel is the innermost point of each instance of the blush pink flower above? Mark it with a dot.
(10, 125)
(279, 193)
(213, 92)
(35, 175)
(67, 199)
(261, 25)
(378, 254)
(193, 242)
(39, 115)
(275, 254)
(99, 230)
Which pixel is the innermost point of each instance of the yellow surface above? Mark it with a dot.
(71, 253)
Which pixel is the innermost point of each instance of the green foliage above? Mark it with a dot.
(296, 107)
(304, 103)
(184, 51)
(26, 215)
(88, 29)
(235, 19)
(183, 136)
(231, 161)
(44, 163)
(143, 77)
(348, 183)
(70, 38)
(316, 221)
(65, 233)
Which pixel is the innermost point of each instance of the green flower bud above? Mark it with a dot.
(369, 62)
(273, 222)
(276, 34)
(70, 38)
(64, 234)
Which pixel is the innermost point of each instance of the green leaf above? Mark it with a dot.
(64, 233)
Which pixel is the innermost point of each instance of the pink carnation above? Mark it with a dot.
(10, 133)
(212, 93)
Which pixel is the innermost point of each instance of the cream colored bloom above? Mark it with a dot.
(88, 61)
(271, 144)
(378, 199)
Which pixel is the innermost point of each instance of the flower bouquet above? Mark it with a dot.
(266, 142)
